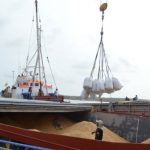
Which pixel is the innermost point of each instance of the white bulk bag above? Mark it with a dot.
(108, 85)
(84, 94)
(87, 84)
(116, 84)
(94, 86)
(98, 86)
(102, 86)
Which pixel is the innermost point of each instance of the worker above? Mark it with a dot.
(127, 99)
(56, 92)
(99, 131)
(135, 98)
(9, 91)
(40, 93)
(6, 92)
(30, 92)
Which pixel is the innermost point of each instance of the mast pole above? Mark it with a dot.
(37, 22)
(42, 63)
(37, 64)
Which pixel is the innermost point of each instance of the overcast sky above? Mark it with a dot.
(71, 30)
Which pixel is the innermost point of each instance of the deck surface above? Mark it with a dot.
(20, 105)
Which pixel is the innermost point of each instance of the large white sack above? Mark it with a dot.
(94, 86)
(102, 86)
(116, 84)
(98, 86)
(87, 84)
(108, 85)
(85, 94)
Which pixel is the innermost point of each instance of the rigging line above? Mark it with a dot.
(106, 1)
(43, 68)
(51, 71)
(49, 61)
(44, 42)
(99, 67)
(32, 58)
(40, 59)
(107, 66)
(101, 51)
(101, 41)
(101, 64)
(29, 42)
(91, 75)
(27, 59)
(102, 61)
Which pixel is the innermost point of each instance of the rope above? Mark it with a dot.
(99, 68)
(32, 57)
(91, 75)
(27, 59)
(103, 67)
(51, 72)
(107, 66)
(48, 61)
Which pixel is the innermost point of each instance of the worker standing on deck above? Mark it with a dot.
(135, 98)
(40, 93)
(56, 92)
(99, 131)
(30, 92)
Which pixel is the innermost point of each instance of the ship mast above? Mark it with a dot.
(39, 59)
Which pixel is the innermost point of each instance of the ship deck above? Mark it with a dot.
(20, 105)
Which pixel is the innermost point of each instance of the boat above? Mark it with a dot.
(32, 82)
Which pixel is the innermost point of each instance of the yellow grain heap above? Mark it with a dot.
(84, 129)
(59, 124)
(146, 141)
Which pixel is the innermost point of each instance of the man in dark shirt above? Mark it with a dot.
(98, 134)
(99, 131)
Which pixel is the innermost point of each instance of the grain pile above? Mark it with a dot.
(58, 124)
(38, 122)
(146, 141)
(84, 129)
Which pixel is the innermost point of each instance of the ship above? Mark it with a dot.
(32, 82)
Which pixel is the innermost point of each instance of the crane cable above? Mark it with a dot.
(101, 52)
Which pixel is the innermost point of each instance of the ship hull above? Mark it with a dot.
(58, 142)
